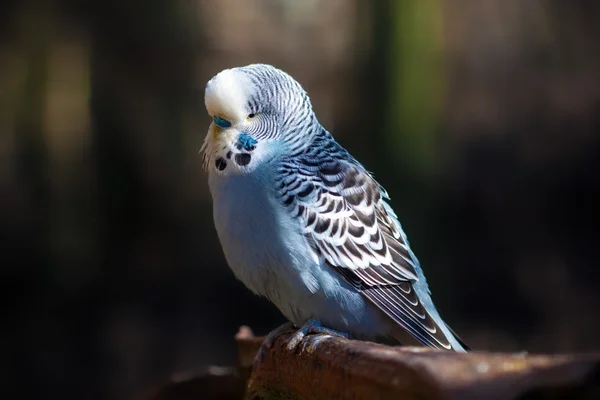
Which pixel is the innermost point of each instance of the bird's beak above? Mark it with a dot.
(220, 135)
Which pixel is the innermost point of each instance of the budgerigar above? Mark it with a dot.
(303, 223)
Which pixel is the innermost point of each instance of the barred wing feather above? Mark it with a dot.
(349, 225)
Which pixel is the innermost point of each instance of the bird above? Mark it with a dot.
(302, 223)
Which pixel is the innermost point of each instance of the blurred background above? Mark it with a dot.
(480, 117)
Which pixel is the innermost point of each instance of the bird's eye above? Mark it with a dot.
(250, 116)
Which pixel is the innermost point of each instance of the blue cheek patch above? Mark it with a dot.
(221, 123)
(246, 142)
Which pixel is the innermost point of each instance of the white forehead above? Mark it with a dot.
(227, 94)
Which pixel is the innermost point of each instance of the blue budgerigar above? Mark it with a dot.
(302, 223)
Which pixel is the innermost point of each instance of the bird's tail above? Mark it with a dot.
(461, 342)
(443, 338)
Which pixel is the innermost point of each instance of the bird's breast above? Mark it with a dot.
(266, 249)
(255, 232)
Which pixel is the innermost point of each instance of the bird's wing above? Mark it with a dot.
(349, 225)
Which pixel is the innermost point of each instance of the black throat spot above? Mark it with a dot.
(243, 159)
(220, 163)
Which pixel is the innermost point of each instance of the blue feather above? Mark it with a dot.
(246, 142)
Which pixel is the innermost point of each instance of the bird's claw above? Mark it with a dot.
(312, 326)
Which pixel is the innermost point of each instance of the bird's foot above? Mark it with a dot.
(312, 326)
(268, 343)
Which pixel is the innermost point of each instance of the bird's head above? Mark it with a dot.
(257, 110)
